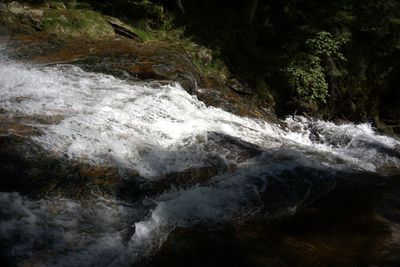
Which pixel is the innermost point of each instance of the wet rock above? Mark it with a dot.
(225, 153)
(238, 87)
(234, 149)
(135, 187)
(144, 70)
(294, 189)
(225, 98)
(26, 168)
(183, 180)
(344, 228)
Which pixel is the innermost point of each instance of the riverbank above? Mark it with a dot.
(126, 57)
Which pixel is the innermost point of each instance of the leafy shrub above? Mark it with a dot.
(307, 72)
(324, 45)
(307, 77)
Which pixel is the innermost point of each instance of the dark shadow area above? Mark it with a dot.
(349, 226)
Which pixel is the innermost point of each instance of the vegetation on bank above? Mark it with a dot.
(147, 22)
(76, 22)
(335, 59)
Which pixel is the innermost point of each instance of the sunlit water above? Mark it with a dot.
(157, 130)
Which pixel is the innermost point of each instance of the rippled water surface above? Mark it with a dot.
(157, 130)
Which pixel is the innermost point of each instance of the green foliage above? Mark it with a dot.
(307, 78)
(144, 34)
(166, 29)
(165, 33)
(208, 61)
(323, 44)
(216, 67)
(306, 72)
(76, 22)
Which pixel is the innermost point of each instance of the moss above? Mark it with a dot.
(206, 60)
(76, 22)
(144, 35)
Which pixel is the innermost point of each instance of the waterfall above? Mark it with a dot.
(156, 130)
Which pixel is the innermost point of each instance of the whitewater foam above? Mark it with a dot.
(158, 130)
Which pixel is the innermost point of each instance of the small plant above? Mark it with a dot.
(207, 61)
(308, 79)
(324, 45)
(307, 72)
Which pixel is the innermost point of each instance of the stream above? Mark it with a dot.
(262, 171)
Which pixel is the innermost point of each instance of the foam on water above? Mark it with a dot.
(153, 130)
(71, 230)
(157, 130)
(64, 232)
(357, 145)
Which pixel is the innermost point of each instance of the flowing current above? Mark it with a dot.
(157, 130)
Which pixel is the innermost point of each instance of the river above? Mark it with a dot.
(263, 169)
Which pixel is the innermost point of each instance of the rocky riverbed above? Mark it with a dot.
(116, 152)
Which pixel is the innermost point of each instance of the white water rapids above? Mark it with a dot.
(156, 130)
